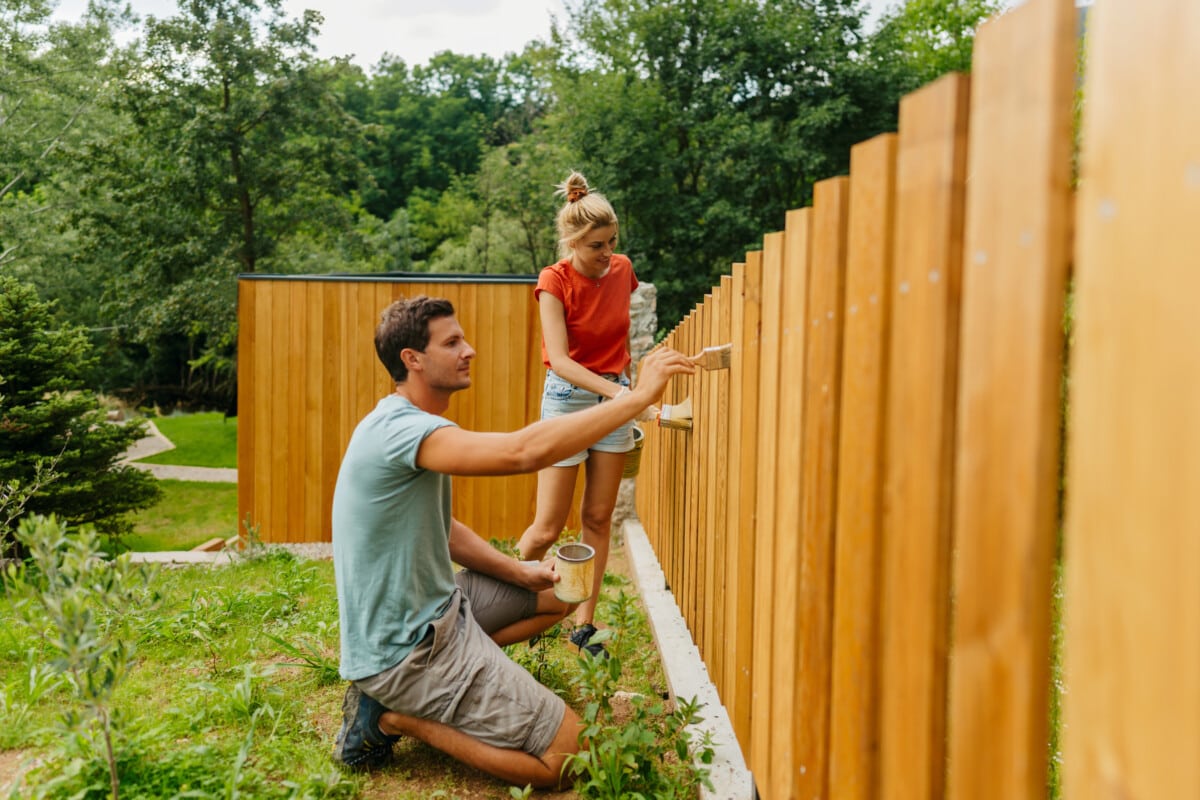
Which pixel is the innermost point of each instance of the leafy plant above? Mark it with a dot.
(652, 755)
(76, 601)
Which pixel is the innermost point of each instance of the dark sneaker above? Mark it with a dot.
(580, 637)
(360, 744)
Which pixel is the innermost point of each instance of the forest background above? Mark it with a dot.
(145, 164)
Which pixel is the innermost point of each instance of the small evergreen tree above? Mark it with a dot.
(50, 424)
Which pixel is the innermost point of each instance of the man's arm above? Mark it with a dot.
(454, 451)
(467, 549)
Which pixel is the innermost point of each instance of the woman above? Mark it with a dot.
(583, 301)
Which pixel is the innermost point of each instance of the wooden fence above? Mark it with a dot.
(861, 527)
(309, 373)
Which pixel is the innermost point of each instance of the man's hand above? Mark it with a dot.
(538, 575)
(656, 369)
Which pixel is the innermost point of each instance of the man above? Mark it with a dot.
(420, 645)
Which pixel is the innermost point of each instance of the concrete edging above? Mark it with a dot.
(686, 672)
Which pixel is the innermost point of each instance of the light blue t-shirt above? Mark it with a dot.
(391, 539)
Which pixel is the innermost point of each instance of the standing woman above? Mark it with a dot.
(583, 301)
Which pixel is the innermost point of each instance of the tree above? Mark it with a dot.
(920, 40)
(236, 163)
(49, 420)
(705, 120)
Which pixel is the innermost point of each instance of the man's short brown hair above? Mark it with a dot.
(405, 325)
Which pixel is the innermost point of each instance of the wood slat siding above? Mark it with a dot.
(307, 347)
(1132, 652)
(1006, 483)
(854, 690)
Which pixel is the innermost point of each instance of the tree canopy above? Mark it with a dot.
(138, 181)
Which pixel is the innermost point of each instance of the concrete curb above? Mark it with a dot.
(685, 670)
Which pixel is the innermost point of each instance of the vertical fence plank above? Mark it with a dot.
(1006, 482)
(743, 526)
(308, 527)
(721, 486)
(702, 438)
(789, 432)
(762, 684)
(854, 692)
(1133, 517)
(822, 390)
(922, 384)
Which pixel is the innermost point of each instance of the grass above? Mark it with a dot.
(234, 692)
(189, 513)
(207, 439)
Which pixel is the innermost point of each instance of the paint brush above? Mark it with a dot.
(715, 357)
(677, 416)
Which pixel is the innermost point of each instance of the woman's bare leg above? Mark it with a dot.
(603, 481)
(555, 488)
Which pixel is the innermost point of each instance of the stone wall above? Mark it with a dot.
(643, 323)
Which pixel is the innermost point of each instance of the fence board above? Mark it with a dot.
(1014, 276)
(854, 691)
(920, 437)
(822, 393)
(744, 375)
(720, 493)
(1133, 513)
(788, 489)
(762, 684)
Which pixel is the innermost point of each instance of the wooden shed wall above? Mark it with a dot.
(307, 373)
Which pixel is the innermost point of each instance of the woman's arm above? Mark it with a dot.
(554, 333)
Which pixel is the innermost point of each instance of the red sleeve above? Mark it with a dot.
(550, 280)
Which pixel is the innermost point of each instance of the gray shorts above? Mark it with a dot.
(459, 677)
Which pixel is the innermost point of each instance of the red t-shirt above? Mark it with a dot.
(596, 311)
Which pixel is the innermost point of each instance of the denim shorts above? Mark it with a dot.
(562, 397)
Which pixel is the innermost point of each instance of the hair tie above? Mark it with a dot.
(576, 194)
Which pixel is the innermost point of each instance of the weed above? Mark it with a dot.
(650, 755)
(324, 668)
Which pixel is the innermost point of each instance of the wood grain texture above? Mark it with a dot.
(918, 484)
(821, 409)
(1006, 482)
(1132, 547)
(854, 691)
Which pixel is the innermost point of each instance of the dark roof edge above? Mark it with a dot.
(393, 277)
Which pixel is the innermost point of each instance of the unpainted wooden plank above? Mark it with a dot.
(918, 484)
(762, 743)
(854, 732)
(1006, 483)
(788, 533)
(822, 392)
(1132, 551)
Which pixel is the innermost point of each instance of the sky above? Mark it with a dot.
(413, 30)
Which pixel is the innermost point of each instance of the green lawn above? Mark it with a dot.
(207, 439)
(189, 513)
